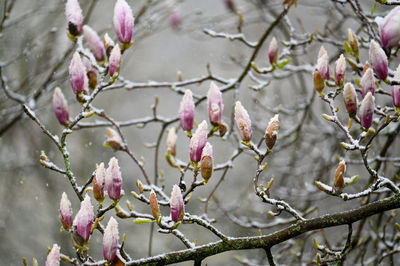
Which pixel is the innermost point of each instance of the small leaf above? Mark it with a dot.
(373, 9)
(347, 48)
(143, 221)
(283, 63)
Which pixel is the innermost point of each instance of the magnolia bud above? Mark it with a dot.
(352, 41)
(319, 83)
(171, 141)
(186, 111)
(114, 61)
(84, 219)
(215, 106)
(243, 122)
(323, 63)
(99, 182)
(396, 89)
(175, 20)
(338, 184)
(53, 258)
(350, 99)
(110, 240)
(60, 106)
(77, 75)
(94, 43)
(389, 29)
(108, 44)
(176, 204)
(198, 141)
(113, 179)
(272, 131)
(367, 110)
(73, 12)
(340, 70)
(113, 139)
(366, 66)
(65, 212)
(273, 51)
(367, 82)
(123, 21)
(91, 72)
(207, 162)
(378, 60)
(222, 128)
(155, 209)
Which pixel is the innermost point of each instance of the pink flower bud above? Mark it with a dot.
(113, 179)
(114, 61)
(84, 219)
(367, 110)
(94, 43)
(350, 98)
(155, 209)
(186, 111)
(367, 82)
(243, 122)
(175, 20)
(215, 106)
(60, 106)
(65, 211)
(53, 258)
(110, 240)
(338, 184)
(198, 141)
(207, 161)
(77, 75)
(171, 141)
(378, 60)
(123, 21)
(272, 131)
(176, 204)
(396, 89)
(273, 51)
(340, 70)
(99, 181)
(73, 12)
(389, 29)
(323, 63)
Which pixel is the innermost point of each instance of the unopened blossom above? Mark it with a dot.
(155, 209)
(73, 12)
(207, 161)
(338, 184)
(352, 41)
(323, 63)
(77, 75)
(186, 111)
(113, 179)
(389, 29)
(378, 60)
(94, 43)
(91, 72)
(272, 131)
(110, 240)
(273, 51)
(350, 98)
(108, 44)
(396, 89)
(215, 105)
(84, 219)
(176, 204)
(99, 182)
(171, 141)
(60, 106)
(113, 139)
(340, 70)
(65, 211)
(243, 122)
(114, 61)
(198, 141)
(367, 82)
(175, 19)
(123, 21)
(319, 82)
(367, 110)
(53, 258)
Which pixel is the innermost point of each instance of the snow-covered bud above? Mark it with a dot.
(84, 219)
(113, 139)
(186, 111)
(352, 41)
(319, 82)
(340, 70)
(272, 131)
(243, 122)
(65, 211)
(175, 20)
(378, 60)
(77, 75)
(215, 106)
(94, 43)
(367, 110)
(123, 21)
(367, 82)
(198, 141)
(176, 204)
(338, 184)
(171, 141)
(113, 179)
(155, 209)
(207, 161)
(99, 182)
(73, 12)
(350, 99)
(389, 29)
(91, 72)
(108, 44)
(222, 128)
(273, 51)
(396, 89)
(60, 106)
(110, 240)
(323, 63)
(53, 258)
(114, 61)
